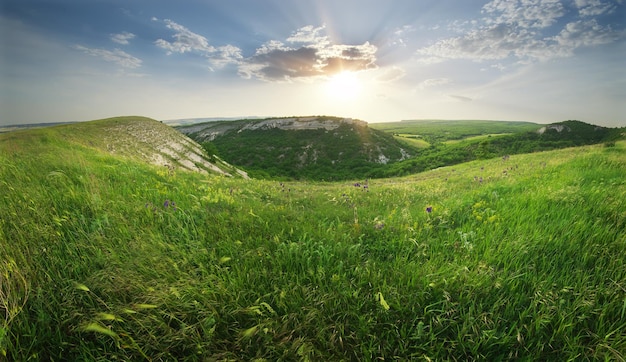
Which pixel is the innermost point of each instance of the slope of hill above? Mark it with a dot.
(108, 258)
(139, 138)
(491, 145)
(318, 148)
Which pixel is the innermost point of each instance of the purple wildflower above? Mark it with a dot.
(166, 203)
(429, 209)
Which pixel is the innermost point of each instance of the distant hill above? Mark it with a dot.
(544, 138)
(138, 138)
(318, 147)
(332, 148)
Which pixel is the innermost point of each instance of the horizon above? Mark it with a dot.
(538, 61)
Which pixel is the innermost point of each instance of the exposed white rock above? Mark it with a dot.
(557, 127)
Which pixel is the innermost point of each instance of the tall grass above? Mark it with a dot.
(105, 258)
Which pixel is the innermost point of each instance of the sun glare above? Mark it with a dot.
(344, 86)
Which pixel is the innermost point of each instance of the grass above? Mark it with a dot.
(412, 140)
(107, 258)
(446, 130)
(475, 138)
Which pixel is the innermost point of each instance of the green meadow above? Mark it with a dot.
(107, 258)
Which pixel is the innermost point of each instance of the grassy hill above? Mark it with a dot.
(319, 148)
(138, 138)
(463, 145)
(106, 257)
(306, 147)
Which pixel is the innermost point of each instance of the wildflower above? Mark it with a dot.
(166, 203)
(429, 209)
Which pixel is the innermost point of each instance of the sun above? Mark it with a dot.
(344, 86)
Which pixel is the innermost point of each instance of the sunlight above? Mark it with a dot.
(344, 86)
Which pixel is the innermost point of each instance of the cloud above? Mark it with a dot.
(523, 31)
(122, 38)
(116, 56)
(185, 40)
(433, 82)
(309, 54)
(461, 98)
(585, 33)
(594, 7)
(524, 13)
(224, 55)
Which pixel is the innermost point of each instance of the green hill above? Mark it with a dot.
(138, 138)
(104, 256)
(451, 150)
(319, 148)
(330, 148)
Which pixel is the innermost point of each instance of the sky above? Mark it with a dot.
(540, 61)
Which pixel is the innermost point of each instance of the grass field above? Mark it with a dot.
(104, 257)
(446, 130)
(475, 138)
(412, 140)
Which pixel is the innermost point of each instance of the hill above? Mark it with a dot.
(138, 138)
(451, 150)
(320, 148)
(330, 148)
(106, 257)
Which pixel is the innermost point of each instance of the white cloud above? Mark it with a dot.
(433, 82)
(116, 56)
(122, 38)
(310, 35)
(524, 13)
(522, 31)
(585, 33)
(224, 55)
(594, 7)
(185, 40)
(493, 42)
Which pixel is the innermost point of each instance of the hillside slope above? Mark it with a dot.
(327, 148)
(492, 145)
(139, 138)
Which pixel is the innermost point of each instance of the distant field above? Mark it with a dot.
(443, 130)
(412, 140)
(476, 138)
